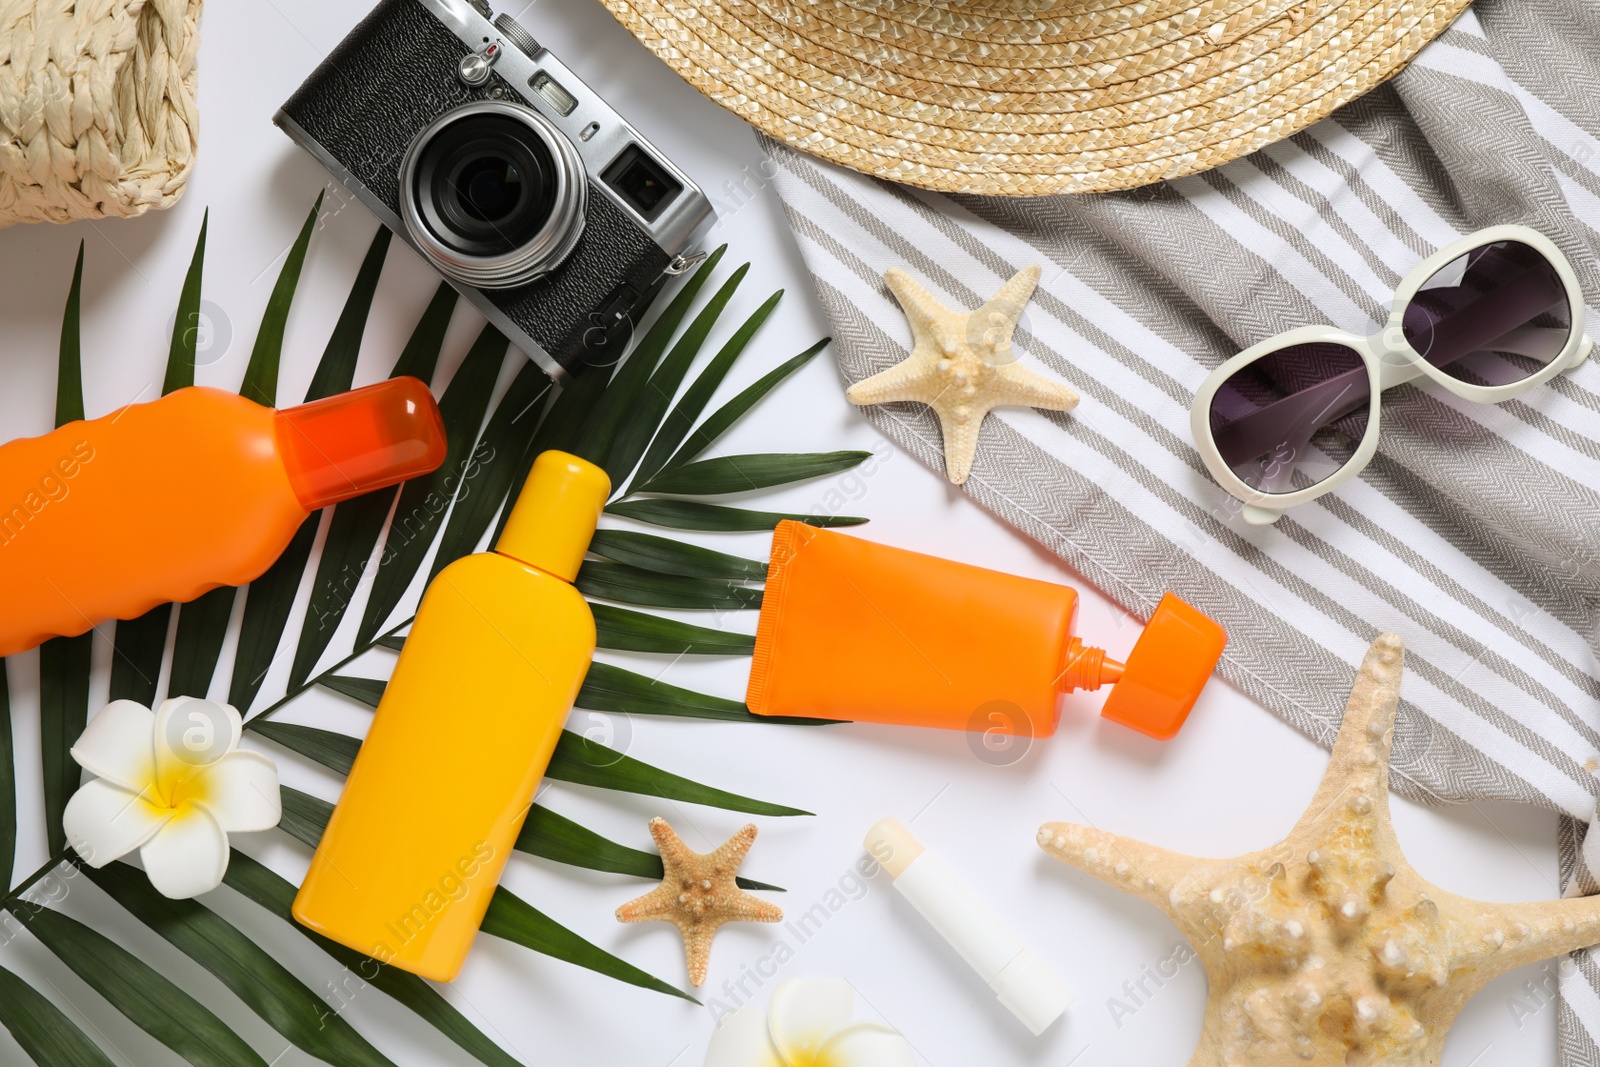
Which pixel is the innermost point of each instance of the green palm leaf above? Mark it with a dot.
(581, 761)
(496, 463)
(353, 531)
(631, 424)
(556, 837)
(674, 557)
(46, 1035)
(630, 585)
(721, 420)
(635, 631)
(261, 374)
(676, 425)
(693, 515)
(186, 324)
(423, 501)
(265, 985)
(306, 819)
(611, 688)
(515, 920)
(137, 990)
(274, 893)
(740, 474)
(8, 783)
(615, 420)
(64, 662)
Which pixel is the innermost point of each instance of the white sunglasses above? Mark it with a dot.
(1488, 318)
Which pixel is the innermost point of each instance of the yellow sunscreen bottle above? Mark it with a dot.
(439, 791)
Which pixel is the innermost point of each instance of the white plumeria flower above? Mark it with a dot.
(807, 1024)
(172, 783)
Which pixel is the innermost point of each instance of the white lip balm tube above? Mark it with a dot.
(1024, 983)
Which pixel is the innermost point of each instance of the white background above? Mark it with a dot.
(1234, 780)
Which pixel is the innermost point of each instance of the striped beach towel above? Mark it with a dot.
(1474, 533)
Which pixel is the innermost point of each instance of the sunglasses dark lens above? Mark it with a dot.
(1292, 418)
(1491, 317)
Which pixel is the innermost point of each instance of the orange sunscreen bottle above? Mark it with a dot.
(462, 736)
(855, 630)
(106, 518)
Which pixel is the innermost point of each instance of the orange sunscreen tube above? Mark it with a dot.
(106, 518)
(851, 629)
(463, 734)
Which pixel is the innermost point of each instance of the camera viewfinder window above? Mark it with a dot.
(642, 182)
(551, 92)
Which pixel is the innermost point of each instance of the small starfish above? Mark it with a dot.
(962, 366)
(698, 893)
(1329, 947)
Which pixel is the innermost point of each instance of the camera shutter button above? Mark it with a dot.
(475, 69)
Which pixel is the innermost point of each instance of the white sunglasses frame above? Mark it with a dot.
(1390, 361)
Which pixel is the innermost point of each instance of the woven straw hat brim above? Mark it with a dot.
(1030, 97)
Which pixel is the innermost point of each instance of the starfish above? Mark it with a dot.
(699, 893)
(962, 365)
(1329, 947)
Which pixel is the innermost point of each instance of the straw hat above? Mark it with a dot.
(1026, 97)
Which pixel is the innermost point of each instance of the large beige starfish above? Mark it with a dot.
(1329, 947)
(962, 365)
(699, 893)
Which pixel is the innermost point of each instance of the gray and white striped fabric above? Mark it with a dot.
(1475, 533)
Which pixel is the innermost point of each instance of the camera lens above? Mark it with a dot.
(489, 188)
(493, 194)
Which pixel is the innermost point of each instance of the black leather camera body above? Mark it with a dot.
(538, 202)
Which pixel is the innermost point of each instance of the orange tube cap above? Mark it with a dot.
(1168, 667)
(352, 443)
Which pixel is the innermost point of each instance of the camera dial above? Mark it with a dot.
(493, 194)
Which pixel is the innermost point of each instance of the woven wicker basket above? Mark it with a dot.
(97, 106)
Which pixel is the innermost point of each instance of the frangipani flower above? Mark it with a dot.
(172, 783)
(807, 1024)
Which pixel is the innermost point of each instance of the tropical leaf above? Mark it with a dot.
(652, 403)
(693, 515)
(633, 376)
(610, 688)
(635, 631)
(186, 324)
(514, 919)
(630, 585)
(267, 603)
(46, 1035)
(620, 428)
(306, 818)
(367, 690)
(336, 370)
(276, 894)
(663, 554)
(552, 836)
(577, 760)
(495, 464)
(69, 368)
(264, 984)
(140, 992)
(261, 374)
(695, 398)
(423, 501)
(721, 420)
(740, 474)
(354, 528)
(8, 783)
(584, 762)
(202, 625)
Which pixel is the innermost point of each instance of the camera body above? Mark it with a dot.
(533, 197)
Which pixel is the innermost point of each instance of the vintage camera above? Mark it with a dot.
(541, 204)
